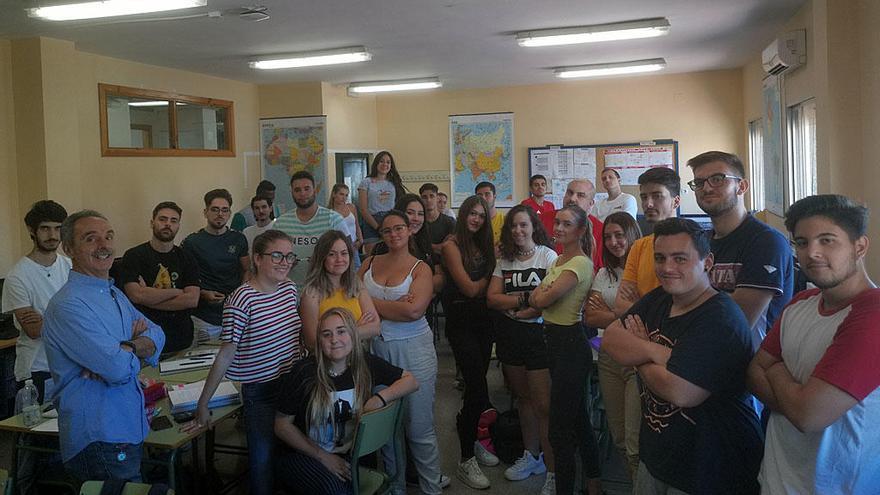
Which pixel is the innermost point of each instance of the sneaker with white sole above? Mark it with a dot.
(483, 456)
(470, 474)
(525, 466)
(444, 481)
(549, 487)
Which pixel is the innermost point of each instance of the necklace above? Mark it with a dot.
(336, 374)
(527, 253)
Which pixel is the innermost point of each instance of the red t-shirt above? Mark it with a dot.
(546, 212)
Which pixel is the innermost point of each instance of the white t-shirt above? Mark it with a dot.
(523, 276)
(604, 284)
(30, 284)
(253, 231)
(623, 202)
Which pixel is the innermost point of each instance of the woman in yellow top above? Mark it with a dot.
(332, 282)
(561, 296)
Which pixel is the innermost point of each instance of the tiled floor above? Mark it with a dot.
(448, 401)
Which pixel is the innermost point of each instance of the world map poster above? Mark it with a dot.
(291, 144)
(481, 149)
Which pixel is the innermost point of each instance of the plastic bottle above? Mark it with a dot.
(27, 404)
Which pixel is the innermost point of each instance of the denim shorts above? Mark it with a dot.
(370, 234)
(520, 343)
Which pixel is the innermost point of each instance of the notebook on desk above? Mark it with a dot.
(186, 397)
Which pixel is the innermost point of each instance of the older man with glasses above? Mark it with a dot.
(224, 263)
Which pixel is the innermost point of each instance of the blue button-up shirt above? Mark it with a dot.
(82, 328)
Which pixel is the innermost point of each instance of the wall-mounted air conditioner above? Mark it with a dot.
(785, 53)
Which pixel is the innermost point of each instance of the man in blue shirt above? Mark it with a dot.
(95, 340)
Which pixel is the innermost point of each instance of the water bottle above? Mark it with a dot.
(27, 404)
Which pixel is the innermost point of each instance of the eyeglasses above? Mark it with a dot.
(215, 209)
(278, 257)
(714, 180)
(397, 229)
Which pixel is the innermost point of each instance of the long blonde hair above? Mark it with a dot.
(321, 401)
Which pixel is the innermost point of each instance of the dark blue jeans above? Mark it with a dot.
(102, 461)
(570, 428)
(259, 401)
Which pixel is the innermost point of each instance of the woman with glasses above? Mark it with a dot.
(323, 397)
(331, 282)
(561, 297)
(525, 257)
(260, 342)
(469, 260)
(401, 287)
(620, 392)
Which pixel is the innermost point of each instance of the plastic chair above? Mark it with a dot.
(94, 488)
(5, 485)
(374, 430)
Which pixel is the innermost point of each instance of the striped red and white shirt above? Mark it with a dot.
(266, 328)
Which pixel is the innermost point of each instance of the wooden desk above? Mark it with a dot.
(170, 439)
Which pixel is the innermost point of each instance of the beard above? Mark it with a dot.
(832, 279)
(305, 204)
(47, 246)
(164, 235)
(720, 208)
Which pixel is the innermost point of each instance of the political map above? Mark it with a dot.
(288, 145)
(481, 149)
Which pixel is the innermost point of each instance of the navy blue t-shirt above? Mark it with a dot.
(755, 256)
(715, 447)
(219, 260)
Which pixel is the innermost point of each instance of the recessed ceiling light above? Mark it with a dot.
(399, 85)
(646, 28)
(311, 59)
(110, 8)
(596, 70)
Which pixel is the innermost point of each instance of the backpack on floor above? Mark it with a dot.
(507, 436)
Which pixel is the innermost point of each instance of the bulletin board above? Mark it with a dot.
(560, 164)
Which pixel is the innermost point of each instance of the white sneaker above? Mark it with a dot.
(525, 466)
(549, 487)
(470, 474)
(444, 481)
(483, 456)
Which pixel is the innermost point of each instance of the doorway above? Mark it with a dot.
(351, 168)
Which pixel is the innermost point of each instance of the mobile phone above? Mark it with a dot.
(160, 423)
(184, 417)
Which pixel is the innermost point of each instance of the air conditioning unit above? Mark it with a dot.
(785, 53)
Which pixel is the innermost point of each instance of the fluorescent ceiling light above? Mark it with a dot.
(401, 85)
(110, 8)
(647, 28)
(596, 70)
(310, 59)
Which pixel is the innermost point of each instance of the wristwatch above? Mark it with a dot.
(129, 343)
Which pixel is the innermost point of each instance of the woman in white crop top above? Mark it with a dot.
(401, 288)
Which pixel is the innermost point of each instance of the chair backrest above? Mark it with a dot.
(375, 429)
(94, 488)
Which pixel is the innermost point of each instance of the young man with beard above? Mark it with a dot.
(305, 223)
(30, 285)
(818, 368)
(582, 192)
(162, 280)
(753, 261)
(95, 341)
(261, 206)
(224, 264)
(691, 347)
(660, 192)
(245, 217)
(544, 208)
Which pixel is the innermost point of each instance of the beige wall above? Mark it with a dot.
(351, 123)
(10, 218)
(843, 74)
(290, 100)
(701, 110)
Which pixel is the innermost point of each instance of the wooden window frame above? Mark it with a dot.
(105, 90)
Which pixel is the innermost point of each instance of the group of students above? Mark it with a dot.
(676, 363)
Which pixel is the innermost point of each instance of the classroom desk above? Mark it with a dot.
(170, 439)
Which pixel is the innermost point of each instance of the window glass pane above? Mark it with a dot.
(137, 122)
(756, 163)
(201, 127)
(802, 150)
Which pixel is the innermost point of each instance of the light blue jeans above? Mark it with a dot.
(416, 355)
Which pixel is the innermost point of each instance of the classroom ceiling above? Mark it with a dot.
(467, 43)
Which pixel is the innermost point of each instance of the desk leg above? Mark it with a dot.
(197, 469)
(172, 470)
(209, 452)
(13, 470)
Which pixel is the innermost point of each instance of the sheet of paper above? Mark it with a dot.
(584, 163)
(50, 426)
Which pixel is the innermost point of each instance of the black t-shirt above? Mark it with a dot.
(440, 228)
(334, 435)
(715, 447)
(175, 269)
(219, 260)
